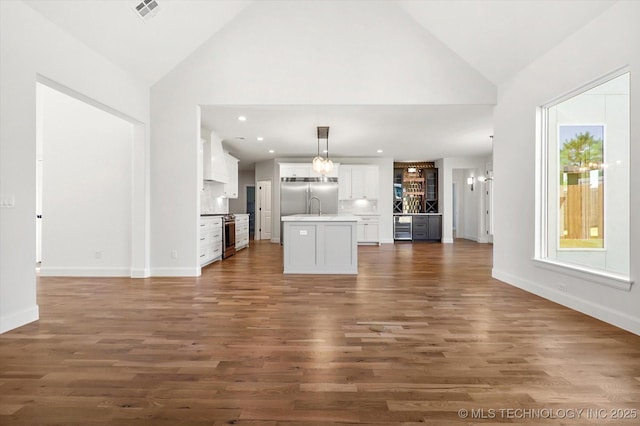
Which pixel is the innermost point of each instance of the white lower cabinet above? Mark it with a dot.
(210, 239)
(368, 229)
(242, 231)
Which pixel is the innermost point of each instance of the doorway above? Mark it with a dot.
(251, 209)
(84, 187)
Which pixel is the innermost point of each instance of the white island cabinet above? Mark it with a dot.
(326, 244)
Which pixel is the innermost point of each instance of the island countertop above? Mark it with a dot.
(320, 218)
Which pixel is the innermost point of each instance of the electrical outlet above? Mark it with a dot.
(174, 254)
(562, 287)
(98, 254)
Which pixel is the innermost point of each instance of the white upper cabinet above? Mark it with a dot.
(214, 162)
(231, 187)
(304, 170)
(295, 170)
(358, 181)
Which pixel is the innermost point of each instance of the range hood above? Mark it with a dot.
(214, 165)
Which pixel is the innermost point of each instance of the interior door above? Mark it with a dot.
(264, 210)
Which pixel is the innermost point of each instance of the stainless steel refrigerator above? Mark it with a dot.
(308, 195)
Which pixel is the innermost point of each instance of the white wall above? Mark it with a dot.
(287, 58)
(265, 170)
(32, 48)
(87, 176)
(609, 42)
(457, 202)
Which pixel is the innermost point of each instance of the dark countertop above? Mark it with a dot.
(417, 214)
(211, 214)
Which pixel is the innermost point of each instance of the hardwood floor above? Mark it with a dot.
(420, 334)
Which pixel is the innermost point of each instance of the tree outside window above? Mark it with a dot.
(581, 192)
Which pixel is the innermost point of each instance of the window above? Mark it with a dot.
(583, 199)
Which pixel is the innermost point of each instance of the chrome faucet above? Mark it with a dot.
(319, 205)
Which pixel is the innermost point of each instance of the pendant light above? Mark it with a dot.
(318, 161)
(320, 164)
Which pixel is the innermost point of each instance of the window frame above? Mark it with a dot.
(542, 180)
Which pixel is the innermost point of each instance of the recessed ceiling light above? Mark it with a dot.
(379, 151)
(242, 118)
(260, 138)
(271, 151)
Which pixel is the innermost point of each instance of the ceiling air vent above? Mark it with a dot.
(147, 9)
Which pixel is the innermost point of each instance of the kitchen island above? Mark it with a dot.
(325, 244)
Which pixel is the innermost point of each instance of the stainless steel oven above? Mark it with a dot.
(229, 240)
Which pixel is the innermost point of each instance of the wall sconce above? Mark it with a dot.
(470, 182)
(485, 178)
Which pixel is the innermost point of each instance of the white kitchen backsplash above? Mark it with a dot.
(210, 201)
(358, 206)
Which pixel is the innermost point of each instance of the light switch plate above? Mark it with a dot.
(7, 201)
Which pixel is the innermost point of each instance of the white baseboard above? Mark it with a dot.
(176, 272)
(386, 241)
(447, 240)
(140, 272)
(603, 313)
(84, 271)
(18, 319)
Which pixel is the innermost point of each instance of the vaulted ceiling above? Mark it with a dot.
(496, 38)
